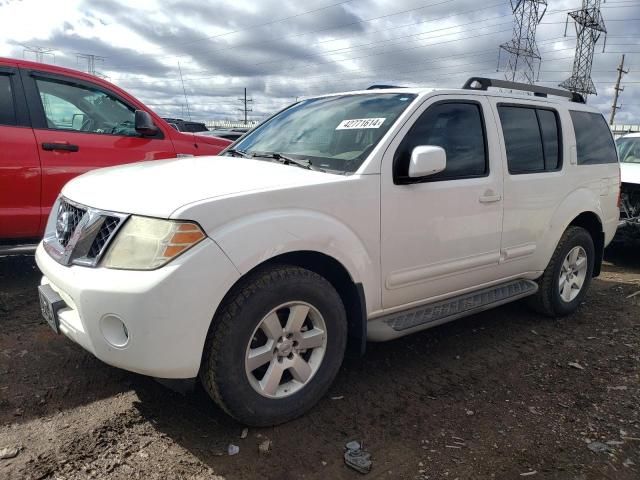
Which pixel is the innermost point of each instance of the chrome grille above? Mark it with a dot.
(67, 220)
(79, 235)
(104, 234)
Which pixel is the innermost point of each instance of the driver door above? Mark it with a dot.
(440, 235)
(79, 127)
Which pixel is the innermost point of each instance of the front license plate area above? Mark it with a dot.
(50, 304)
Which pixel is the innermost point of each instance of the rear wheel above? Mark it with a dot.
(566, 279)
(275, 346)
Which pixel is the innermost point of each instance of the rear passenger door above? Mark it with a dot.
(534, 181)
(19, 162)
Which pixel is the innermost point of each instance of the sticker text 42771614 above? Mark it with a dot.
(360, 123)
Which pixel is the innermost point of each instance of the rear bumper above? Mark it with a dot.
(167, 312)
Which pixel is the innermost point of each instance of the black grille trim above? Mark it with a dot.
(109, 226)
(74, 215)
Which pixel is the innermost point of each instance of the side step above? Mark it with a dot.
(457, 307)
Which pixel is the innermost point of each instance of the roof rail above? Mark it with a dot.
(480, 83)
(378, 87)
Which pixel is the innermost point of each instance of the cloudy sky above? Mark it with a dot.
(280, 50)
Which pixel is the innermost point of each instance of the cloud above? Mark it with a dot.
(283, 49)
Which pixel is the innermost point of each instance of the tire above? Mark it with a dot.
(549, 300)
(247, 325)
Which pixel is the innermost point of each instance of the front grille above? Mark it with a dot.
(67, 220)
(79, 235)
(108, 227)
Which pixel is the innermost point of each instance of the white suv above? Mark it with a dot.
(356, 216)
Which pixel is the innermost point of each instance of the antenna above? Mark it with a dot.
(524, 56)
(589, 26)
(184, 90)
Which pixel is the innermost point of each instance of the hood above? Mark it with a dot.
(630, 173)
(157, 188)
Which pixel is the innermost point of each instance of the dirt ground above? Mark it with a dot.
(504, 394)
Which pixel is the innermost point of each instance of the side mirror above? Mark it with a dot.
(144, 124)
(427, 160)
(77, 121)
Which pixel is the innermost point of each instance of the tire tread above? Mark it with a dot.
(541, 301)
(261, 279)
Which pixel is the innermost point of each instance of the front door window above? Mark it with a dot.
(81, 109)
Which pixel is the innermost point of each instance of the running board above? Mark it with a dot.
(444, 311)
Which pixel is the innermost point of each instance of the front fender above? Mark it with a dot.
(251, 240)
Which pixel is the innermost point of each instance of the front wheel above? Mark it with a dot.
(275, 346)
(566, 279)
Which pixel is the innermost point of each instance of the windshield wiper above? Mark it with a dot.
(286, 160)
(238, 153)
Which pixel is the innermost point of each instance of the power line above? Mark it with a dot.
(333, 27)
(260, 25)
(272, 41)
(315, 64)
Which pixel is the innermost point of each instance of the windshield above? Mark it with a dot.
(331, 133)
(629, 149)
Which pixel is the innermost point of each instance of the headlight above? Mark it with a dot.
(148, 243)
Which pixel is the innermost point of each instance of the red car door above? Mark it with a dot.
(19, 163)
(80, 126)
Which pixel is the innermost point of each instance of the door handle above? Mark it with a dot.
(67, 147)
(490, 197)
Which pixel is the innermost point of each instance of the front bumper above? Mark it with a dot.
(167, 312)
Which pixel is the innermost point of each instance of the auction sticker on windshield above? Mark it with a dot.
(360, 123)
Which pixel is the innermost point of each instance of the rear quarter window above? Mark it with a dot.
(594, 140)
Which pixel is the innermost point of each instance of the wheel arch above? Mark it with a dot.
(592, 223)
(581, 208)
(350, 291)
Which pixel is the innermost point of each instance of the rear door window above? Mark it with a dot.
(532, 139)
(593, 139)
(7, 108)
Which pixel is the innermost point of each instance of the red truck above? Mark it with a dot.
(56, 123)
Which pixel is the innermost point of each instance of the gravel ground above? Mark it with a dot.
(504, 394)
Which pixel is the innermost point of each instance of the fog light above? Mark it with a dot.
(114, 330)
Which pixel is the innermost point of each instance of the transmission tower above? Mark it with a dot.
(91, 62)
(589, 27)
(524, 57)
(38, 52)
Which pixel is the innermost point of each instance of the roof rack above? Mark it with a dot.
(480, 83)
(378, 87)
